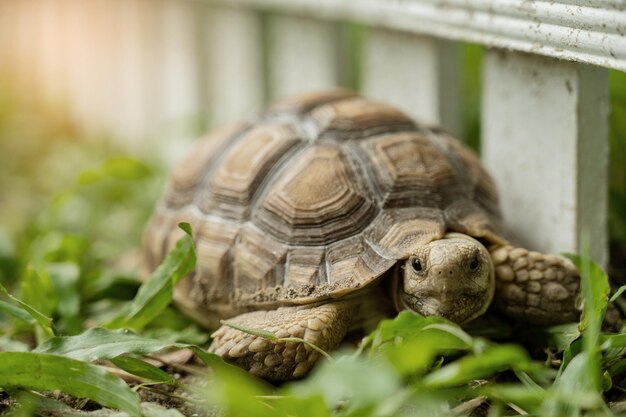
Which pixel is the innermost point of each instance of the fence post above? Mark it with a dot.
(233, 49)
(545, 142)
(303, 55)
(179, 75)
(418, 74)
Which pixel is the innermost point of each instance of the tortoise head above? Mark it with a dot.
(452, 277)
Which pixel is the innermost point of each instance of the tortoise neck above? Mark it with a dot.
(393, 287)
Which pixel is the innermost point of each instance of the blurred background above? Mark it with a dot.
(99, 98)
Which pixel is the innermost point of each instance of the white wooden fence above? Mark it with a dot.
(139, 67)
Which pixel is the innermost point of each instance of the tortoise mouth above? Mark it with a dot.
(459, 307)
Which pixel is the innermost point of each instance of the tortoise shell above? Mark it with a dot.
(316, 199)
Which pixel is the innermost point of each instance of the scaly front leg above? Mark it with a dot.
(535, 287)
(323, 325)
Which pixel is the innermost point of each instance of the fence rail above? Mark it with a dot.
(589, 31)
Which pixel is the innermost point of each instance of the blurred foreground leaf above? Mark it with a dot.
(406, 326)
(579, 383)
(411, 342)
(494, 359)
(574, 389)
(120, 167)
(45, 372)
(350, 379)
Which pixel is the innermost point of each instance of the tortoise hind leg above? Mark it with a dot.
(535, 287)
(322, 325)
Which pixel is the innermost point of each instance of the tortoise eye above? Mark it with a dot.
(474, 264)
(416, 264)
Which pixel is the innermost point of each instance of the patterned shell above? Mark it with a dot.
(318, 198)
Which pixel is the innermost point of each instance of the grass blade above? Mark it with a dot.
(595, 289)
(98, 343)
(42, 372)
(44, 321)
(16, 312)
(617, 294)
(143, 369)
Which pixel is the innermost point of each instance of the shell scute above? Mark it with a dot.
(214, 240)
(410, 169)
(395, 232)
(320, 198)
(242, 168)
(258, 262)
(189, 174)
(357, 118)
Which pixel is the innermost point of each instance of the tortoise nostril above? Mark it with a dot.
(450, 272)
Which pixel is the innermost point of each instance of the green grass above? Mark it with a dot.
(57, 333)
(69, 238)
(411, 365)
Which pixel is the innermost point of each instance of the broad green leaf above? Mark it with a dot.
(494, 359)
(416, 354)
(405, 326)
(42, 372)
(595, 290)
(43, 321)
(237, 393)
(96, 344)
(574, 389)
(411, 342)
(155, 294)
(350, 378)
(143, 369)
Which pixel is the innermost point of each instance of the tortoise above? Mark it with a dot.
(332, 211)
